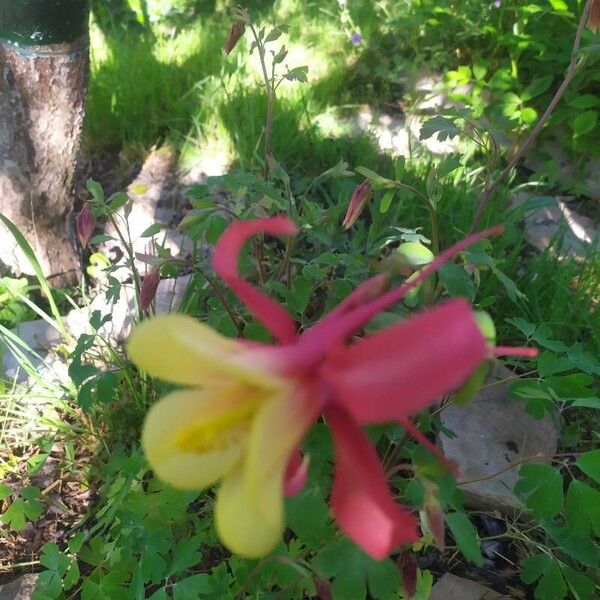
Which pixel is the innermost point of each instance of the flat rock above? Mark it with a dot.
(576, 235)
(19, 589)
(451, 587)
(492, 433)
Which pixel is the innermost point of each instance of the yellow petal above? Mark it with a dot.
(180, 349)
(277, 429)
(192, 438)
(241, 529)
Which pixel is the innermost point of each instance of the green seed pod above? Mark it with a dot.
(414, 255)
(487, 327)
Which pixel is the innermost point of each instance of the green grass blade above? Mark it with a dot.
(30, 255)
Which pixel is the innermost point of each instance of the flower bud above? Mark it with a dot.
(408, 570)
(487, 327)
(85, 225)
(235, 33)
(323, 589)
(149, 287)
(594, 18)
(361, 195)
(434, 517)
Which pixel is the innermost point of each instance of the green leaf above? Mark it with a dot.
(308, 516)
(102, 237)
(20, 511)
(541, 487)
(538, 86)
(186, 555)
(509, 285)
(386, 201)
(383, 578)
(585, 122)
(465, 535)
(5, 492)
(582, 587)
(37, 269)
(589, 463)
(76, 542)
(152, 230)
(192, 587)
(457, 281)
(274, 34)
(116, 201)
(444, 127)
(583, 508)
(584, 101)
(95, 189)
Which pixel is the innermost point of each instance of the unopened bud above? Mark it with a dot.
(434, 516)
(149, 287)
(235, 33)
(323, 588)
(487, 327)
(85, 224)
(361, 195)
(408, 570)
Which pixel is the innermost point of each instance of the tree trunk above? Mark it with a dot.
(42, 98)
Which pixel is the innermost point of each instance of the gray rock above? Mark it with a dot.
(493, 433)
(19, 589)
(451, 587)
(576, 235)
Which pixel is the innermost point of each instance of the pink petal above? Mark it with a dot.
(296, 474)
(361, 501)
(403, 369)
(341, 328)
(225, 263)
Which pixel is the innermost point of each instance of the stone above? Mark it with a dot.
(39, 338)
(492, 433)
(451, 587)
(19, 589)
(576, 235)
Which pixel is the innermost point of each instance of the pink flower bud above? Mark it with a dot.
(434, 516)
(149, 287)
(85, 224)
(361, 195)
(235, 33)
(594, 18)
(408, 570)
(323, 588)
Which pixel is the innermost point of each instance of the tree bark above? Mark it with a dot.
(42, 100)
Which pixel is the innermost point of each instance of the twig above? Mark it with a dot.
(575, 63)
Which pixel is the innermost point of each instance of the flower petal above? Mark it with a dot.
(401, 370)
(225, 263)
(361, 500)
(193, 437)
(180, 349)
(241, 529)
(249, 508)
(339, 329)
(296, 474)
(276, 431)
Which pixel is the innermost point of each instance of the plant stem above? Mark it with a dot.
(574, 65)
(270, 92)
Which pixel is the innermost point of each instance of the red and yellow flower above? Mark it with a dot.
(246, 407)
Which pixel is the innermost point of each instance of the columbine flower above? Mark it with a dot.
(360, 197)
(235, 33)
(85, 225)
(594, 18)
(247, 406)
